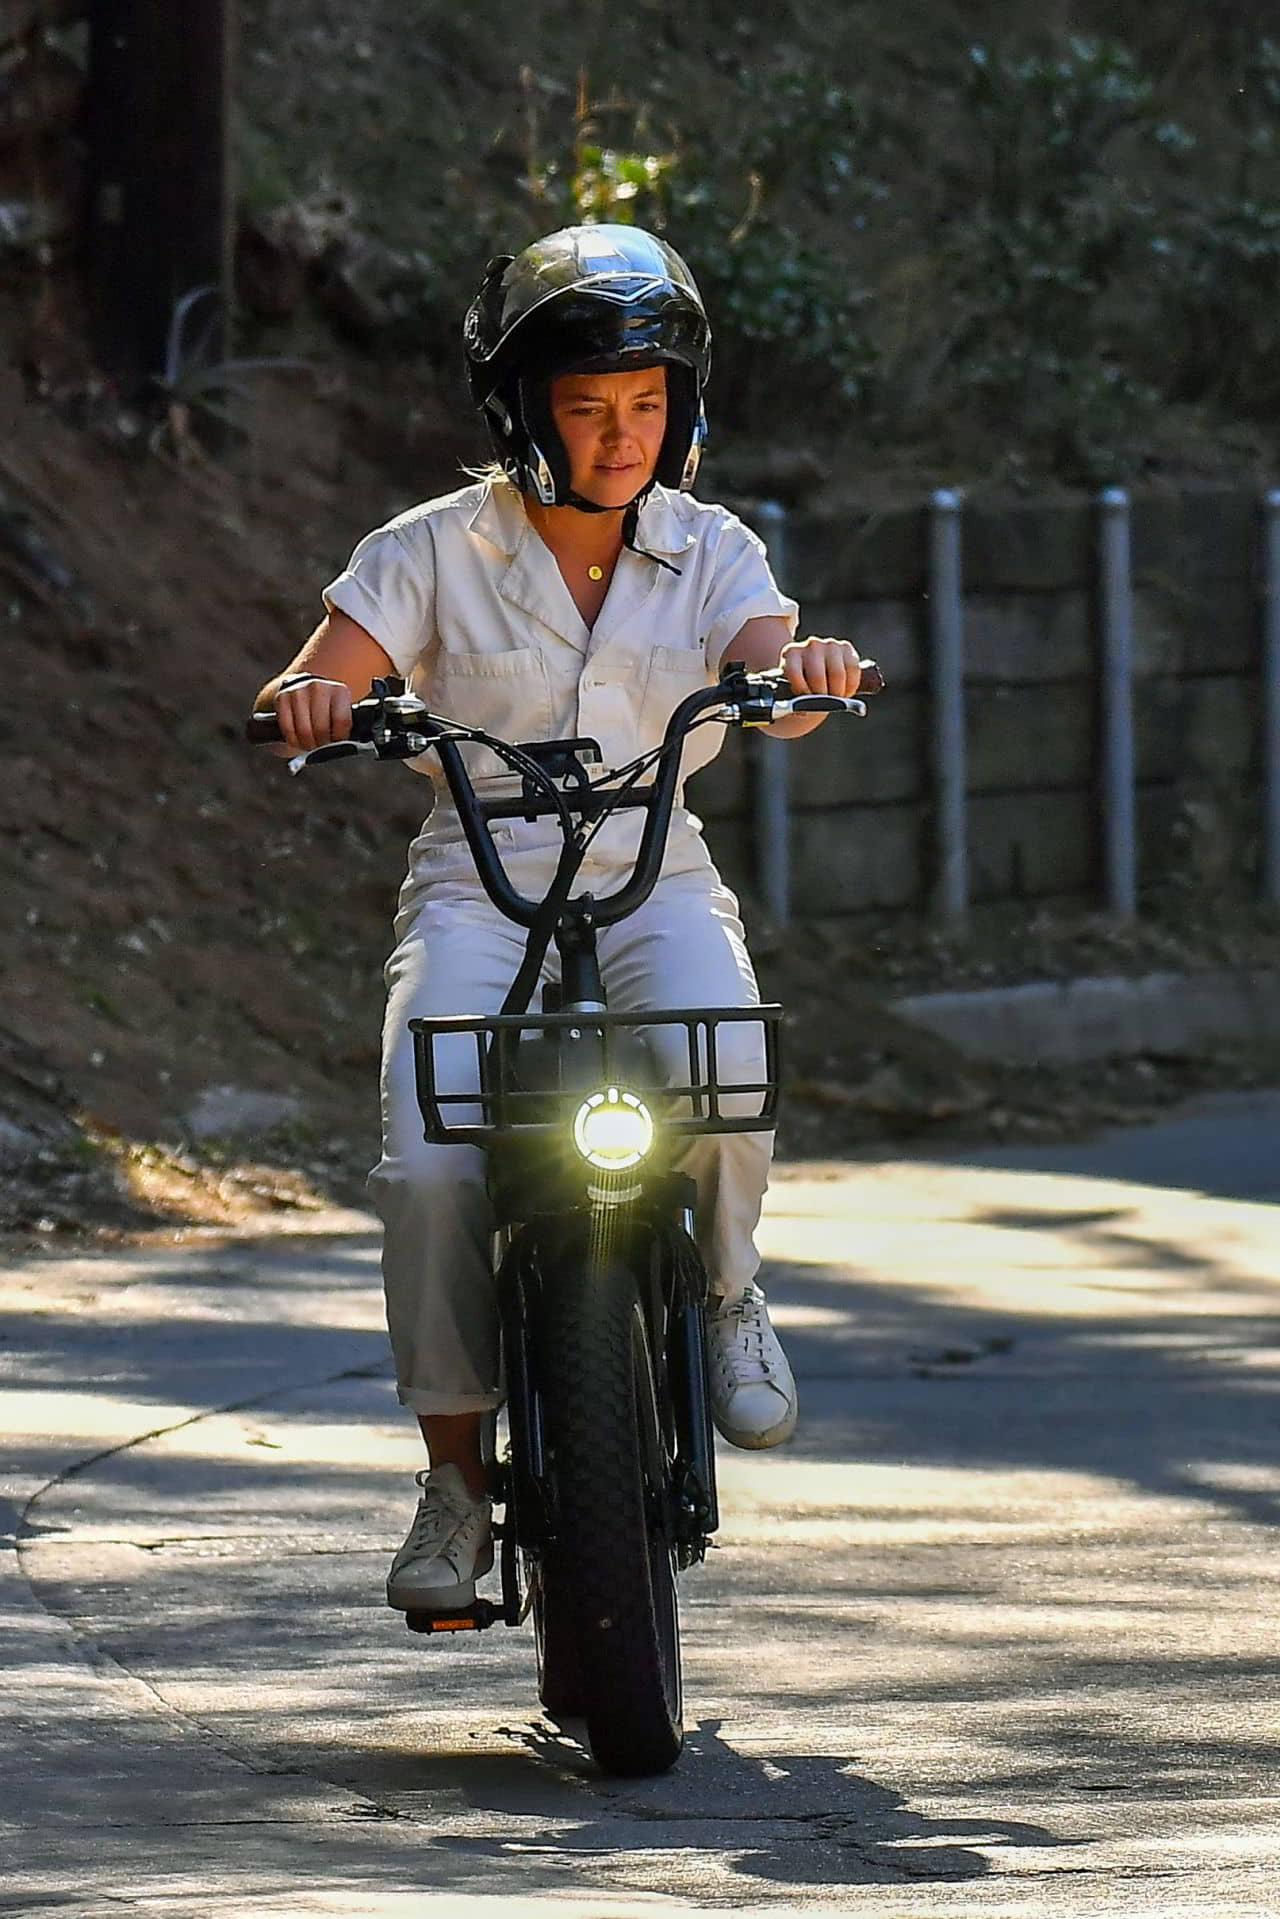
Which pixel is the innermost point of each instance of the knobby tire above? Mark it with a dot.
(610, 1573)
(555, 1639)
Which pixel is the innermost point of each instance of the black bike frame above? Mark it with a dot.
(580, 917)
(658, 1216)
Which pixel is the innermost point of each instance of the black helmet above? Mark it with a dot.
(593, 299)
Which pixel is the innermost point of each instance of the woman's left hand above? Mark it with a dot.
(822, 666)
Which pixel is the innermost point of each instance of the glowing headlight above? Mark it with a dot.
(613, 1130)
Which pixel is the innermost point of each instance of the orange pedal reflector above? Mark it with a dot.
(484, 1613)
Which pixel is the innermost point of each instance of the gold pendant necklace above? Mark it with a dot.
(595, 572)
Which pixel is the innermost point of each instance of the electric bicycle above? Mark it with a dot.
(606, 1486)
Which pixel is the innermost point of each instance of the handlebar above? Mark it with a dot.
(393, 724)
(752, 694)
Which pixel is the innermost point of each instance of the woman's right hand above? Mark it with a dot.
(312, 712)
(312, 698)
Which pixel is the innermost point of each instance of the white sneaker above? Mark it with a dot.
(753, 1393)
(449, 1546)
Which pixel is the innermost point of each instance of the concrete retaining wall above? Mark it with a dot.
(862, 825)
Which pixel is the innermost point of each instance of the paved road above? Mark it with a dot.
(996, 1635)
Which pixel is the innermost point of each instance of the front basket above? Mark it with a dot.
(492, 1103)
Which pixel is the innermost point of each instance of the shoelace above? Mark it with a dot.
(436, 1520)
(745, 1359)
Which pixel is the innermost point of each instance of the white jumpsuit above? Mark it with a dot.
(469, 604)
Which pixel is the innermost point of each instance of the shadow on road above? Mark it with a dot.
(1084, 1448)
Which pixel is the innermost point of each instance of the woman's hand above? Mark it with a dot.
(821, 666)
(313, 711)
(312, 697)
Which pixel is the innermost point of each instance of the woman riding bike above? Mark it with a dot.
(578, 589)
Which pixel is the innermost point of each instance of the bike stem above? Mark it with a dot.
(581, 987)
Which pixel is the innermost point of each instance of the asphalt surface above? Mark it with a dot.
(996, 1635)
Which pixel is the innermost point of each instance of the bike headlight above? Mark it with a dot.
(613, 1130)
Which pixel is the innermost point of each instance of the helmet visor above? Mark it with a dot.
(597, 335)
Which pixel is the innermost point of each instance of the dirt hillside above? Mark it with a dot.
(182, 917)
(187, 931)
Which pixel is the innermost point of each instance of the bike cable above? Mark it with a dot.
(543, 927)
(635, 770)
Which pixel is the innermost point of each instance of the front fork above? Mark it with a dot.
(674, 1311)
(697, 1512)
(521, 1482)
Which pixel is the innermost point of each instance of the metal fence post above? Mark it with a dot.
(946, 652)
(1271, 698)
(770, 760)
(1117, 776)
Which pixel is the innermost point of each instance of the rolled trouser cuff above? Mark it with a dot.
(447, 1404)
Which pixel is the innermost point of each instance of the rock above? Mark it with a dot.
(16, 1142)
(349, 289)
(375, 295)
(22, 541)
(311, 226)
(271, 273)
(276, 252)
(34, 223)
(224, 1111)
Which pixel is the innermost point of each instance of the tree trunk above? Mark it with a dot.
(159, 212)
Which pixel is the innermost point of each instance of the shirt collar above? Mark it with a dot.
(500, 519)
(661, 527)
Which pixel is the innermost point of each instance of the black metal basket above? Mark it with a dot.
(504, 1108)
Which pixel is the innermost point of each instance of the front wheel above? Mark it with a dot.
(611, 1564)
(556, 1638)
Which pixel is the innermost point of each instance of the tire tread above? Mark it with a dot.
(587, 1378)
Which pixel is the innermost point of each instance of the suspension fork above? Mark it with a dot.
(699, 1506)
(518, 1295)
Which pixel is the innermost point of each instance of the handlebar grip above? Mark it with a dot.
(262, 729)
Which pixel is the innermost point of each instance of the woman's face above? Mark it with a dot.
(612, 426)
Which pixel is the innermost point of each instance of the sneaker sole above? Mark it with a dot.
(439, 1598)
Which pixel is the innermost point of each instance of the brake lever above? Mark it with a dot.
(333, 750)
(820, 703)
(386, 746)
(753, 701)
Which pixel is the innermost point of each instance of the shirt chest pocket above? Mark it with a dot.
(506, 693)
(673, 673)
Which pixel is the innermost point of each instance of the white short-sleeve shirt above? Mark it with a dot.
(467, 601)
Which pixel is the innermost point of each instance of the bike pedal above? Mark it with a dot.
(467, 1619)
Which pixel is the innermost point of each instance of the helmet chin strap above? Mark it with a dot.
(630, 521)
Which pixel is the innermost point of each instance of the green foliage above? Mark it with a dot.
(1045, 122)
(1050, 226)
(775, 300)
(769, 289)
(608, 186)
(1027, 251)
